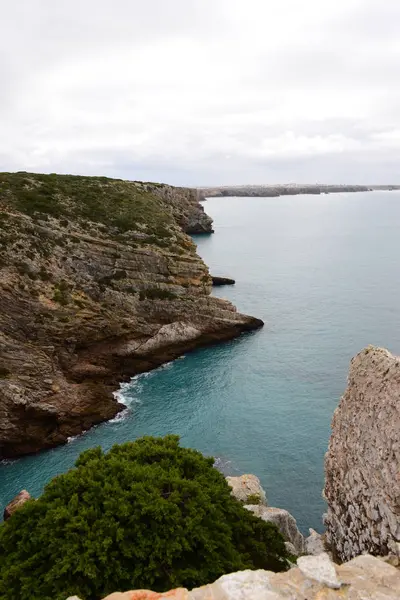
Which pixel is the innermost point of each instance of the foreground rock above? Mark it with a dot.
(247, 489)
(285, 522)
(317, 578)
(16, 503)
(98, 282)
(362, 478)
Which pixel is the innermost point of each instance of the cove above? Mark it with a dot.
(322, 272)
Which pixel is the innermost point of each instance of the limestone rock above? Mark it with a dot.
(285, 522)
(16, 503)
(317, 578)
(246, 486)
(362, 476)
(91, 296)
(314, 543)
(320, 568)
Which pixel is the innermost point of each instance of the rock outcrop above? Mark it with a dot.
(247, 489)
(316, 578)
(285, 522)
(98, 283)
(314, 543)
(362, 476)
(216, 281)
(16, 503)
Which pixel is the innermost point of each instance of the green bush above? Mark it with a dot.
(147, 514)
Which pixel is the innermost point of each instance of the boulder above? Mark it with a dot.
(285, 522)
(319, 568)
(16, 503)
(245, 487)
(314, 543)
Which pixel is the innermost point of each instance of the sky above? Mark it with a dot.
(202, 92)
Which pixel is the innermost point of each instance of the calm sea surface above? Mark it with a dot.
(323, 273)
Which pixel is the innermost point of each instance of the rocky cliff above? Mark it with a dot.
(98, 282)
(362, 466)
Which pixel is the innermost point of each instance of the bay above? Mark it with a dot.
(322, 272)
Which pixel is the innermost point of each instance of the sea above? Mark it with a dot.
(323, 273)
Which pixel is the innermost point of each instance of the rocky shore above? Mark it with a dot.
(99, 281)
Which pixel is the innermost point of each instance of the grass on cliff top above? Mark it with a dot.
(147, 514)
(113, 202)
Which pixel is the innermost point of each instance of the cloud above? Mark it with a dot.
(198, 92)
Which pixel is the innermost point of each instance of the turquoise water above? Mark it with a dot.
(323, 273)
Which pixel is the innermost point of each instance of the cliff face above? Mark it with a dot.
(362, 470)
(98, 282)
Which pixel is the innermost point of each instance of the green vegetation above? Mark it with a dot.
(147, 514)
(61, 293)
(4, 373)
(156, 294)
(121, 204)
(253, 499)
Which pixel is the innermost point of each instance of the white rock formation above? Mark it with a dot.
(246, 486)
(317, 578)
(314, 543)
(362, 466)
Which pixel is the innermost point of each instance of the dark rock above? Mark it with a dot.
(216, 281)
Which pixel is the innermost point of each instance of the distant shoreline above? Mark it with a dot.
(286, 190)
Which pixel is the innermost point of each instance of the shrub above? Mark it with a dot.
(147, 514)
(253, 499)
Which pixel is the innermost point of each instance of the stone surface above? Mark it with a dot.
(362, 465)
(16, 503)
(86, 303)
(285, 522)
(246, 486)
(314, 543)
(320, 568)
(363, 578)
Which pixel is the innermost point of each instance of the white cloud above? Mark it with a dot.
(202, 91)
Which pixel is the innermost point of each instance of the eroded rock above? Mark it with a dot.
(16, 503)
(247, 487)
(365, 577)
(362, 466)
(285, 522)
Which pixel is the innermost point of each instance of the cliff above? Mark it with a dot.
(362, 476)
(286, 190)
(98, 282)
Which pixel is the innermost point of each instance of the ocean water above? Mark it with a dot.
(323, 273)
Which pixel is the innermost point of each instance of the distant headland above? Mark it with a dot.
(287, 189)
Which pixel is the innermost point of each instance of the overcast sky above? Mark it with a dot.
(202, 92)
